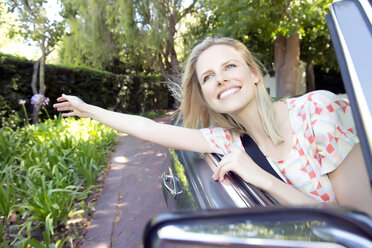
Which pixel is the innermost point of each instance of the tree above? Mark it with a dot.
(34, 26)
(149, 30)
(272, 28)
(1, 13)
(316, 44)
(90, 40)
(140, 34)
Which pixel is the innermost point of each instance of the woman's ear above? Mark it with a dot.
(255, 78)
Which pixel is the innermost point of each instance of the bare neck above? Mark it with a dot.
(251, 121)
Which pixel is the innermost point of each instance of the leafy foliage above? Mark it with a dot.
(130, 34)
(124, 93)
(258, 23)
(33, 23)
(46, 170)
(34, 26)
(155, 24)
(89, 41)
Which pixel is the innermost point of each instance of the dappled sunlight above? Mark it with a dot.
(159, 154)
(102, 212)
(99, 245)
(118, 166)
(137, 154)
(83, 129)
(123, 204)
(147, 152)
(121, 159)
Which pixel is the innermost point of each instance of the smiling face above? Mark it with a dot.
(227, 82)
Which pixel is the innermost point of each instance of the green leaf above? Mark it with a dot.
(37, 244)
(46, 236)
(49, 224)
(73, 213)
(5, 244)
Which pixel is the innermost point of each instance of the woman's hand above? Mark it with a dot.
(239, 162)
(73, 104)
(243, 165)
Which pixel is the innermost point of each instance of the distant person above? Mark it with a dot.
(310, 141)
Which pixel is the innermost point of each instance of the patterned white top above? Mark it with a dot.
(324, 133)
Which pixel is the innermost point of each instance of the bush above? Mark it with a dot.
(46, 171)
(124, 93)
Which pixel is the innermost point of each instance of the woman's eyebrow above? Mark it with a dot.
(206, 72)
(229, 61)
(223, 64)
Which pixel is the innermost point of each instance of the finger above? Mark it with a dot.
(59, 105)
(69, 114)
(226, 159)
(220, 170)
(61, 99)
(64, 98)
(223, 172)
(224, 181)
(64, 109)
(216, 173)
(68, 97)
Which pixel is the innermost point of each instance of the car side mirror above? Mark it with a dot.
(260, 227)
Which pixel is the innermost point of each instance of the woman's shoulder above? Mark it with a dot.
(219, 132)
(221, 139)
(318, 98)
(214, 130)
(322, 97)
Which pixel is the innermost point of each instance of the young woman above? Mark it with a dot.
(310, 141)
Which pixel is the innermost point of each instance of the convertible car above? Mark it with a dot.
(236, 214)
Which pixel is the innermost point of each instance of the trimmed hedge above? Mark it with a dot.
(124, 93)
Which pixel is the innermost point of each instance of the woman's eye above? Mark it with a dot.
(230, 66)
(206, 78)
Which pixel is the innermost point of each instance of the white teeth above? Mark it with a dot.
(228, 92)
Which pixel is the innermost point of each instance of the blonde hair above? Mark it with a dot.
(194, 108)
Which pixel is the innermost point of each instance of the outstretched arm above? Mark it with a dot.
(140, 127)
(351, 183)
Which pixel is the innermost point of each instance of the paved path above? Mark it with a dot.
(131, 195)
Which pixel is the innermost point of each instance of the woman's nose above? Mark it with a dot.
(221, 78)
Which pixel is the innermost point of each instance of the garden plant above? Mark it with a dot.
(47, 171)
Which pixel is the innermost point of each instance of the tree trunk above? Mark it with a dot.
(34, 76)
(35, 111)
(310, 76)
(174, 70)
(42, 86)
(286, 59)
(170, 54)
(173, 55)
(35, 114)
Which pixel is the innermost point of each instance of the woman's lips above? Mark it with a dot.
(222, 95)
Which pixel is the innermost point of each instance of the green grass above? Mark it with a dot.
(46, 170)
